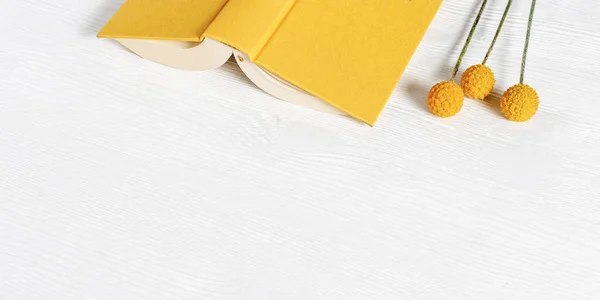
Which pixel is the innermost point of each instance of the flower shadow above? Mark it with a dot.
(493, 102)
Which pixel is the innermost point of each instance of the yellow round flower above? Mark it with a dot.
(445, 99)
(519, 103)
(478, 82)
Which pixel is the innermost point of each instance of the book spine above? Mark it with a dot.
(248, 25)
(287, 8)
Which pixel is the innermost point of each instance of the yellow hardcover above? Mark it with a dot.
(349, 53)
(176, 20)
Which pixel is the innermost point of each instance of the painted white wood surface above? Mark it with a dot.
(123, 179)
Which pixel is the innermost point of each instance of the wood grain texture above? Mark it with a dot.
(123, 179)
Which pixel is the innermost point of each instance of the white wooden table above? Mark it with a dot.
(123, 179)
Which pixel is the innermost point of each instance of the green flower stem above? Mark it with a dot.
(468, 41)
(527, 41)
(487, 55)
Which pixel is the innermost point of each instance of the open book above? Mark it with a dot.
(339, 56)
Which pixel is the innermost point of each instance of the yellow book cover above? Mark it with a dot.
(348, 53)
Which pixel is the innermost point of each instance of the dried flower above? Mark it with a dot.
(520, 102)
(445, 99)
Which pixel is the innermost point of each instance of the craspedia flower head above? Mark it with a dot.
(478, 82)
(445, 99)
(519, 103)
